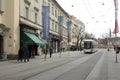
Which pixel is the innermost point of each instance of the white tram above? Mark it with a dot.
(90, 45)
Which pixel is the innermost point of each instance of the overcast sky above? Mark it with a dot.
(97, 15)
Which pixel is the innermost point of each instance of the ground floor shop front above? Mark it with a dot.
(30, 39)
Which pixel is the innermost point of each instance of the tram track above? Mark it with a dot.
(60, 64)
(82, 67)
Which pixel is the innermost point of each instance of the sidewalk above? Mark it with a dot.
(54, 55)
(57, 57)
(113, 67)
(106, 68)
(41, 58)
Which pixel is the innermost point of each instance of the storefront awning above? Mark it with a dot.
(35, 39)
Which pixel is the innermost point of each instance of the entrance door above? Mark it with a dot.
(1, 46)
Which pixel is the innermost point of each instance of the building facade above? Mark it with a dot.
(9, 24)
(77, 27)
(58, 29)
(33, 24)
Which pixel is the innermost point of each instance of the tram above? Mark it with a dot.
(90, 45)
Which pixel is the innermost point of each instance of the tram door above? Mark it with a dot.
(1, 46)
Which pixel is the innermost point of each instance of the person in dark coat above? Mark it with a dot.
(33, 52)
(26, 54)
(51, 51)
(20, 54)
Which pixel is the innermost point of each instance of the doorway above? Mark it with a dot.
(1, 46)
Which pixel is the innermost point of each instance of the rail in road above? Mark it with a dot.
(12, 70)
(79, 69)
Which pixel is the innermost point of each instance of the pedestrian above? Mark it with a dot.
(45, 51)
(26, 54)
(60, 51)
(51, 51)
(114, 48)
(33, 52)
(20, 54)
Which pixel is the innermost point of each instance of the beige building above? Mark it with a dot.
(18, 17)
(75, 27)
(58, 25)
(9, 27)
(27, 23)
(31, 28)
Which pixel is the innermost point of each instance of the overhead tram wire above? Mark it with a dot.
(103, 15)
(89, 5)
(78, 9)
(86, 7)
(89, 9)
(108, 10)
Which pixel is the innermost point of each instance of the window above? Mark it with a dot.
(27, 12)
(56, 27)
(43, 1)
(52, 9)
(36, 15)
(1, 7)
(27, 2)
(36, 10)
(36, 1)
(49, 6)
(52, 26)
(55, 12)
(0, 4)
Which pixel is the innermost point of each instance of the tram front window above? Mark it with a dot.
(87, 45)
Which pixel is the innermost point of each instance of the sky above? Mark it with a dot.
(97, 15)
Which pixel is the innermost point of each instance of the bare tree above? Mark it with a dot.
(104, 39)
(78, 33)
(89, 36)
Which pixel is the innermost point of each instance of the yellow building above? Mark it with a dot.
(22, 25)
(18, 17)
(9, 27)
(31, 25)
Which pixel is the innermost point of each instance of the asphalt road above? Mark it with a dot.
(78, 69)
(73, 66)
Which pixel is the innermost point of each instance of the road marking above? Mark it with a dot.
(51, 74)
(96, 70)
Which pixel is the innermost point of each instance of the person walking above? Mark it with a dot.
(26, 54)
(33, 52)
(45, 52)
(20, 54)
(51, 51)
(60, 51)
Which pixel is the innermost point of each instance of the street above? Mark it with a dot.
(70, 66)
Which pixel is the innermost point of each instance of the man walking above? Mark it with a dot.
(20, 54)
(51, 51)
(26, 54)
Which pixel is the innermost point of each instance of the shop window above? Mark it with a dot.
(1, 7)
(36, 1)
